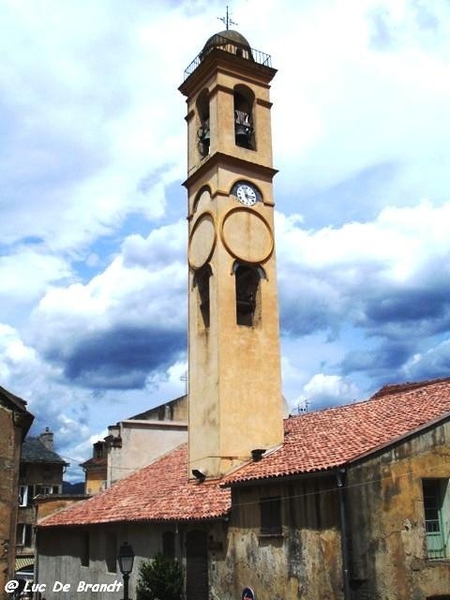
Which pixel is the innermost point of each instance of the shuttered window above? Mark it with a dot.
(436, 502)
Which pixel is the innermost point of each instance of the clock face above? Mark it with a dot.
(246, 194)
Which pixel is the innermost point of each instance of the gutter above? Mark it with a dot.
(340, 479)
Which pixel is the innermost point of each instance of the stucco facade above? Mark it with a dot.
(137, 441)
(233, 300)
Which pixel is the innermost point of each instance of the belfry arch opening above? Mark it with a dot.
(248, 293)
(203, 131)
(244, 133)
(201, 281)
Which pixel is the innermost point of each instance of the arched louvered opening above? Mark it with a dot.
(243, 117)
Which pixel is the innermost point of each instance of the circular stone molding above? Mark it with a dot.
(247, 235)
(202, 241)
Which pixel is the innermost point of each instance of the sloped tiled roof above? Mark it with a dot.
(33, 450)
(334, 437)
(159, 492)
(314, 442)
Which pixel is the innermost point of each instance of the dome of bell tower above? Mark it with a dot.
(225, 37)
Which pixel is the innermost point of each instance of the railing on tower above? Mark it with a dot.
(226, 45)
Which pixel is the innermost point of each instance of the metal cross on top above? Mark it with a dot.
(227, 20)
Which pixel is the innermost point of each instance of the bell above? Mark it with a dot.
(243, 135)
(204, 139)
(206, 136)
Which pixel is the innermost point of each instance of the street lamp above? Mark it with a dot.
(125, 560)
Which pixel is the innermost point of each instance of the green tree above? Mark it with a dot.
(160, 578)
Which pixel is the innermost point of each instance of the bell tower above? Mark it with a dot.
(235, 400)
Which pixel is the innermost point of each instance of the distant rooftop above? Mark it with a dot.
(33, 450)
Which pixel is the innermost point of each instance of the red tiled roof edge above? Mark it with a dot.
(396, 388)
(337, 441)
(159, 492)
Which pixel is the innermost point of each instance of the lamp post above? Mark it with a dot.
(125, 560)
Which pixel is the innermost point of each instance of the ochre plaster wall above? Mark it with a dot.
(386, 520)
(302, 562)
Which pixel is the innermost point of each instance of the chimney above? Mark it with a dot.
(47, 438)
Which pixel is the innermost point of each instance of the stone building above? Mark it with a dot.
(15, 422)
(41, 474)
(346, 503)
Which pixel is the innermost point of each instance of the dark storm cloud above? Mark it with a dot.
(303, 316)
(388, 357)
(425, 309)
(121, 358)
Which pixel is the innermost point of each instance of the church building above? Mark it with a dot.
(347, 503)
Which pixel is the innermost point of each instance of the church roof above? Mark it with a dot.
(159, 492)
(314, 442)
(327, 439)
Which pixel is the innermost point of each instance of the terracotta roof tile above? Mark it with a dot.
(331, 438)
(315, 441)
(159, 492)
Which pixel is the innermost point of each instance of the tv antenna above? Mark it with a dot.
(226, 20)
(302, 406)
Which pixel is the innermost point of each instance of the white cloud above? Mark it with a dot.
(396, 246)
(27, 273)
(328, 390)
(93, 146)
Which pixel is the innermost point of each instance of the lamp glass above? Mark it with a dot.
(125, 558)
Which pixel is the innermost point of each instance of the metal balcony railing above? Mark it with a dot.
(233, 47)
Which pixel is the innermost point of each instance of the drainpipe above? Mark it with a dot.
(340, 477)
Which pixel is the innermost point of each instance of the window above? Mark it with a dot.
(84, 549)
(270, 508)
(168, 542)
(247, 293)
(46, 489)
(23, 495)
(24, 535)
(436, 503)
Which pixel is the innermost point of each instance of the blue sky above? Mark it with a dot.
(93, 231)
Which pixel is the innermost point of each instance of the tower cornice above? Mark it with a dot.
(218, 60)
(221, 159)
